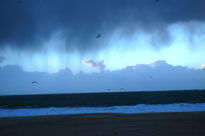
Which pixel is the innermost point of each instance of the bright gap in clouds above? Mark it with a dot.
(186, 47)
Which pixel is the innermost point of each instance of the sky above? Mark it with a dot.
(42, 39)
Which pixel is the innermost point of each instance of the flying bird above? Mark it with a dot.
(157, 0)
(98, 36)
(34, 82)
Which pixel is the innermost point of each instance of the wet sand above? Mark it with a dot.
(150, 124)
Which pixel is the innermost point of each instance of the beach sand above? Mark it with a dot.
(149, 124)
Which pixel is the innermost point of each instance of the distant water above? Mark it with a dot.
(101, 99)
(118, 102)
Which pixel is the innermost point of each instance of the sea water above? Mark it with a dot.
(121, 102)
(140, 108)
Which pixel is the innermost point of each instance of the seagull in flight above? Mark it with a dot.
(34, 82)
(98, 36)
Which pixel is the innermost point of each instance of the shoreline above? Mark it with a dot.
(132, 109)
(96, 114)
(109, 124)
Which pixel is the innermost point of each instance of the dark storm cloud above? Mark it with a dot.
(28, 23)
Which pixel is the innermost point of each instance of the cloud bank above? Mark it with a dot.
(2, 59)
(140, 77)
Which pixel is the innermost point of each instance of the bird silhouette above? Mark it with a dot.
(98, 36)
(34, 82)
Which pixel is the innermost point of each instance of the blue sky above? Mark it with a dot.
(48, 36)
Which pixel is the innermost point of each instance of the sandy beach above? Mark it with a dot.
(149, 124)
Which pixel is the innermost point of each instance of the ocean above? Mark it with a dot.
(107, 102)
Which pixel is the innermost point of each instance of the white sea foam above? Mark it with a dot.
(140, 108)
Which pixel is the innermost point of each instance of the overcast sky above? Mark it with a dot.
(48, 36)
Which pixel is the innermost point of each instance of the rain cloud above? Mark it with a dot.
(27, 24)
